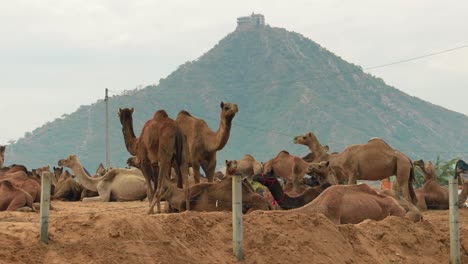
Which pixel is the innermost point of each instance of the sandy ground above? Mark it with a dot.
(124, 233)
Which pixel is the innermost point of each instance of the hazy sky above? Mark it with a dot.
(58, 55)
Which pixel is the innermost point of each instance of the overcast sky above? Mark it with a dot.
(58, 55)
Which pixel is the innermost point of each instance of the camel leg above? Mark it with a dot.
(104, 196)
(148, 173)
(196, 171)
(164, 172)
(210, 169)
(185, 175)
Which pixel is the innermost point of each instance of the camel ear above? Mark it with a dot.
(326, 147)
(327, 163)
(222, 104)
(226, 162)
(309, 134)
(132, 109)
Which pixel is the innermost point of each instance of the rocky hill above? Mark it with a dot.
(284, 84)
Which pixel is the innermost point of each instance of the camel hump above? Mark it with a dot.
(184, 112)
(7, 184)
(111, 175)
(284, 152)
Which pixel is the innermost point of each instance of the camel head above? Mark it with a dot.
(231, 167)
(309, 139)
(133, 162)
(228, 110)
(2, 156)
(68, 162)
(101, 170)
(266, 176)
(320, 168)
(419, 163)
(125, 114)
(57, 172)
(219, 175)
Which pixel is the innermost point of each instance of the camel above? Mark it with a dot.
(290, 168)
(213, 196)
(22, 180)
(14, 168)
(431, 195)
(246, 167)
(14, 199)
(285, 201)
(375, 160)
(66, 188)
(203, 142)
(412, 211)
(2, 156)
(352, 204)
(116, 185)
(161, 145)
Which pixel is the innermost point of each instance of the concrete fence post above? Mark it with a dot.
(45, 206)
(237, 216)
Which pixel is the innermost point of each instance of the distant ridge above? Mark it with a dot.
(284, 84)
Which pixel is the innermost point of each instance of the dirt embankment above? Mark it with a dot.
(123, 233)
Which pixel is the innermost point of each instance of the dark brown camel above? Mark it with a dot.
(270, 180)
(203, 142)
(161, 145)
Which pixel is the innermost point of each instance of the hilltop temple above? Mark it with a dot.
(252, 21)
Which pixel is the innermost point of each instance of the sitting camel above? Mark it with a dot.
(203, 143)
(115, 185)
(431, 195)
(353, 163)
(246, 167)
(209, 197)
(22, 180)
(270, 180)
(2, 156)
(291, 168)
(352, 204)
(66, 188)
(14, 199)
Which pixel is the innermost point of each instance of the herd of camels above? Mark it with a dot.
(166, 158)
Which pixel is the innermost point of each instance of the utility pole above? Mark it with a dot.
(106, 99)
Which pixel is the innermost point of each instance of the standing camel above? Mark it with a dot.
(375, 160)
(160, 146)
(203, 142)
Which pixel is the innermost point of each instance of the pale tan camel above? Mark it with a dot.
(2, 156)
(352, 204)
(161, 145)
(13, 198)
(203, 142)
(289, 167)
(214, 196)
(375, 160)
(431, 195)
(116, 185)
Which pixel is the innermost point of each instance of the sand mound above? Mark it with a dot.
(123, 233)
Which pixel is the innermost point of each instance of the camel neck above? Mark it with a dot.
(87, 182)
(129, 136)
(284, 201)
(222, 134)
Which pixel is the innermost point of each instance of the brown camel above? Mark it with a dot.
(375, 160)
(66, 188)
(270, 180)
(2, 156)
(352, 204)
(160, 147)
(213, 196)
(14, 168)
(14, 199)
(203, 142)
(431, 195)
(412, 211)
(246, 167)
(290, 168)
(116, 185)
(22, 180)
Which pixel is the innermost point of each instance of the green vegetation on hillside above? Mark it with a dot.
(284, 84)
